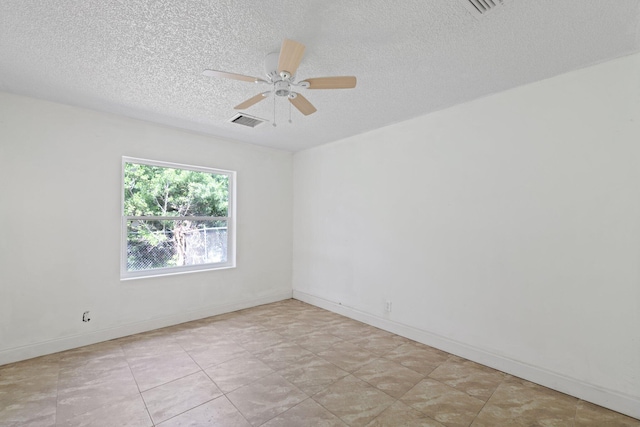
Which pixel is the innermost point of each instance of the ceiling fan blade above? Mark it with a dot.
(342, 82)
(290, 56)
(251, 101)
(225, 75)
(302, 104)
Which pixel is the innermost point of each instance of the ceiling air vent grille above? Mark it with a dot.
(479, 8)
(249, 121)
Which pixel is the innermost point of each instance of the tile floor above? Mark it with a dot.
(282, 364)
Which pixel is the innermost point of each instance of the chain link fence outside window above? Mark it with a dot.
(200, 246)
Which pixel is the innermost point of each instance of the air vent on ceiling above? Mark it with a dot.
(245, 120)
(479, 8)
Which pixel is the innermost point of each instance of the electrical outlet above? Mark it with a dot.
(388, 306)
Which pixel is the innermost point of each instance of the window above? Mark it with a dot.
(175, 218)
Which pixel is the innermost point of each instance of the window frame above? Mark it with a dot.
(166, 271)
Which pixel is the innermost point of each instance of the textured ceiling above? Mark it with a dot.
(144, 58)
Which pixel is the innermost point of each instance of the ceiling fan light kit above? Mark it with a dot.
(280, 68)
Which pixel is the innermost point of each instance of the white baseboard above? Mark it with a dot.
(74, 341)
(620, 402)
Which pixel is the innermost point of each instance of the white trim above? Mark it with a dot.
(173, 165)
(172, 271)
(176, 218)
(620, 402)
(74, 341)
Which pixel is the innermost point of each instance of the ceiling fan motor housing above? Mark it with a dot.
(282, 88)
(271, 66)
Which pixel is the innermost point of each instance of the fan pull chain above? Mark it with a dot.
(274, 110)
(290, 111)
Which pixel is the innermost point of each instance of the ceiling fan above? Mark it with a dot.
(281, 73)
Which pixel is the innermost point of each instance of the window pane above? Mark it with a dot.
(174, 243)
(161, 191)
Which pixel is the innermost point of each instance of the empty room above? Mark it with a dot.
(320, 213)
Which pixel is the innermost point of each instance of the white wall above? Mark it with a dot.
(506, 230)
(60, 184)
